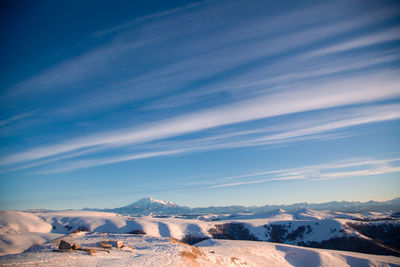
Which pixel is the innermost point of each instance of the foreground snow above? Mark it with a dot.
(159, 251)
(35, 235)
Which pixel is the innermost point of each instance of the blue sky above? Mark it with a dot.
(200, 103)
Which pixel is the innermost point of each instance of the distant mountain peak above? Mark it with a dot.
(150, 202)
(150, 205)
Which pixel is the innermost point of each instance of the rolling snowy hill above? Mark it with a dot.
(375, 234)
(166, 234)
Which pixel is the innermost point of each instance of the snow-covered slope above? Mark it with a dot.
(318, 225)
(305, 227)
(22, 222)
(67, 222)
(159, 251)
(20, 230)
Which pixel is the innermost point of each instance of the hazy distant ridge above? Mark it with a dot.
(153, 206)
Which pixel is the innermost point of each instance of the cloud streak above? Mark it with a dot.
(391, 34)
(255, 67)
(14, 118)
(292, 132)
(317, 172)
(224, 51)
(347, 92)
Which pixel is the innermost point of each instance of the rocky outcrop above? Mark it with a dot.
(64, 245)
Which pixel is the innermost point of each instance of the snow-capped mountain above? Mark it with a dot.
(150, 205)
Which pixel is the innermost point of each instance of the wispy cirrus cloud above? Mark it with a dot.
(287, 72)
(287, 178)
(347, 92)
(255, 68)
(83, 164)
(15, 118)
(312, 129)
(255, 33)
(315, 173)
(388, 35)
(367, 172)
(134, 23)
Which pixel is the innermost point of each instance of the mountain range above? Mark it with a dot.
(152, 206)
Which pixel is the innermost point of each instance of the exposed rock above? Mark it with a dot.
(64, 245)
(75, 246)
(91, 251)
(105, 245)
(59, 250)
(232, 231)
(119, 244)
(137, 232)
(82, 228)
(112, 243)
(192, 239)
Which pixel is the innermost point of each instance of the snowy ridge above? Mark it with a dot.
(304, 227)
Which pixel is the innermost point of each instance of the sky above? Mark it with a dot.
(198, 102)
